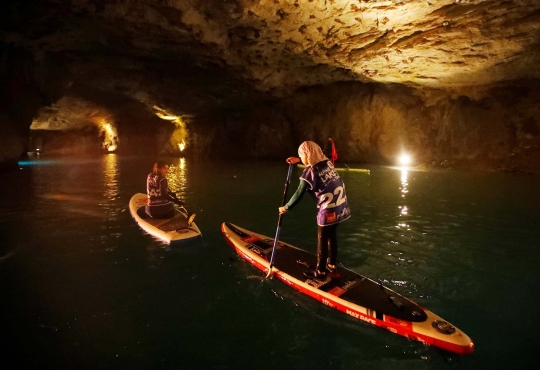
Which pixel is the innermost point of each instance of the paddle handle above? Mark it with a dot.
(287, 182)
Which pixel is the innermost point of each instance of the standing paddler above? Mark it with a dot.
(321, 180)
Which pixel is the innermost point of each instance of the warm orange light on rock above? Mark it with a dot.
(182, 146)
(108, 135)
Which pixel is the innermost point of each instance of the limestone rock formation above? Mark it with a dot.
(453, 81)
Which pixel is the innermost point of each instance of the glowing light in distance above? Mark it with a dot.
(182, 146)
(405, 159)
(108, 128)
(166, 117)
(109, 141)
(163, 114)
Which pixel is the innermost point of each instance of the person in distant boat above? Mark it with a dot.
(160, 202)
(324, 184)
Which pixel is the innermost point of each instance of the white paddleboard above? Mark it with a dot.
(168, 230)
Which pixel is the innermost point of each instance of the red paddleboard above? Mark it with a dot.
(348, 292)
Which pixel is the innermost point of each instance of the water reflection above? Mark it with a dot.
(177, 177)
(402, 226)
(111, 189)
(110, 179)
(404, 183)
(404, 190)
(35, 162)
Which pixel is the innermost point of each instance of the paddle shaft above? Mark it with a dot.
(178, 202)
(287, 182)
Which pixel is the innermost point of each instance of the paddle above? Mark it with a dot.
(333, 151)
(334, 155)
(178, 202)
(279, 220)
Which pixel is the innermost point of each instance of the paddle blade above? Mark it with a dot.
(334, 151)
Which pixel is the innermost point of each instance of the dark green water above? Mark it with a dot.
(82, 287)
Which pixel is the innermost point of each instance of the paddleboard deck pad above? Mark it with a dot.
(168, 230)
(348, 292)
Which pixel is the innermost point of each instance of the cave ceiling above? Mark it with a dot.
(199, 56)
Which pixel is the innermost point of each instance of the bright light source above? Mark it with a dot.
(163, 114)
(405, 159)
(109, 136)
(182, 146)
(166, 117)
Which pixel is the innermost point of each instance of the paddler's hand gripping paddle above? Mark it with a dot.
(175, 200)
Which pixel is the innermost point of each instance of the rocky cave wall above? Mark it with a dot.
(374, 123)
(41, 107)
(254, 78)
(489, 129)
(84, 111)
